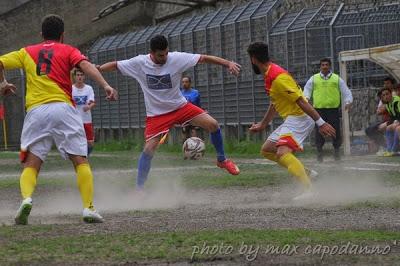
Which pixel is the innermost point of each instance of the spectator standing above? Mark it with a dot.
(326, 89)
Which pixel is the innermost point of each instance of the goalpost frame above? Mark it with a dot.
(388, 57)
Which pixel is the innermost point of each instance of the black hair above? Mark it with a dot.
(158, 42)
(325, 60)
(390, 79)
(259, 50)
(76, 70)
(52, 27)
(190, 80)
(379, 94)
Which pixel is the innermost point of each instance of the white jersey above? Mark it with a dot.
(82, 97)
(160, 83)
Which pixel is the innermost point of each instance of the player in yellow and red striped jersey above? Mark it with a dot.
(51, 113)
(299, 116)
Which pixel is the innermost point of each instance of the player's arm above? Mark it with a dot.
(269, 115)
(5, 87)
(233, 67)
(108, 67)
(89, 106)
(324, 128)
(90, 70)
(381, 110)
(308, 88)
(347, 95)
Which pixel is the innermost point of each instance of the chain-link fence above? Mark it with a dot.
(298, 40)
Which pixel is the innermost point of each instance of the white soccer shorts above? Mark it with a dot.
(57, 123)
(296, 127)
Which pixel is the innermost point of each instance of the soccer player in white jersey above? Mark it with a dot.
(159, 74)
(83, 96)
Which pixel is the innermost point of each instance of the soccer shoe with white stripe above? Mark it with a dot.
(312, 174)
(92, 216)
(23, 212)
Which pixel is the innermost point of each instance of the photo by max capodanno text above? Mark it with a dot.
(251, 252)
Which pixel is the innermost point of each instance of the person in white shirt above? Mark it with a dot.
(83, 96)
(159, 74)
(326, 90)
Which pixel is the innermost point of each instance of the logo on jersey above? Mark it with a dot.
(159, 82)
(80, 100)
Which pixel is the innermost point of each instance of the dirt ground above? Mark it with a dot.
(220, 208)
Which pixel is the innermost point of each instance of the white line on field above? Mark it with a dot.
(383, 164)
(363, 168)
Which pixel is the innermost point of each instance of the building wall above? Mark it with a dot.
(20, 19)
(21, 25)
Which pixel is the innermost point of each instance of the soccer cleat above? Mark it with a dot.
(307, 195)
(312, 174)
(23, 212)
(387, 154)
(380, 152)
(92, 216)
(230, 166)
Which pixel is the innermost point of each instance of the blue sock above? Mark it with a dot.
(389, 139)
(395, 145)
(216, 140)
(89, 150)
(144, 165)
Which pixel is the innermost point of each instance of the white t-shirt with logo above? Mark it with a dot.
(160, 83)
(82, 97)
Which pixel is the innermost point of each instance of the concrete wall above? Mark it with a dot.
(22, 24)
(6, 5)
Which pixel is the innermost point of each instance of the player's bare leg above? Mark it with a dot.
(208, 123)
(85, 184)
(31, 164)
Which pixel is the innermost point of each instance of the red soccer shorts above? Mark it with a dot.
(160, 124)
(89, 131)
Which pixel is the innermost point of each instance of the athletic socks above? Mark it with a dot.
(89, 150)
(296, 168)
(216, 140)
(27, 182)
(395, 145)
(271, 156)
(85, 184)
(144, 165)
(389, 140)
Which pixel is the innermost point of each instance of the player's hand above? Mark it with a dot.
(257, 127)
(86, 108)
(112, 94)
(9, 89)
(234, 68)
(327, 130)
(98, 67)
(347, 107)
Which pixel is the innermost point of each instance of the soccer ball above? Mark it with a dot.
(193, 148)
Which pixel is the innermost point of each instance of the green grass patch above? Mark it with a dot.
(251, 176)
(18, 247)
(14, 182)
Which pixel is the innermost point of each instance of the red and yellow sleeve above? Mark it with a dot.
(13, 60)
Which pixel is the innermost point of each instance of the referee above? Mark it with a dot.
(326, 90)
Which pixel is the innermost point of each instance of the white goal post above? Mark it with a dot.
(388, 57)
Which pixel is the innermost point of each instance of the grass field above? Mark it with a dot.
(194, 212)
